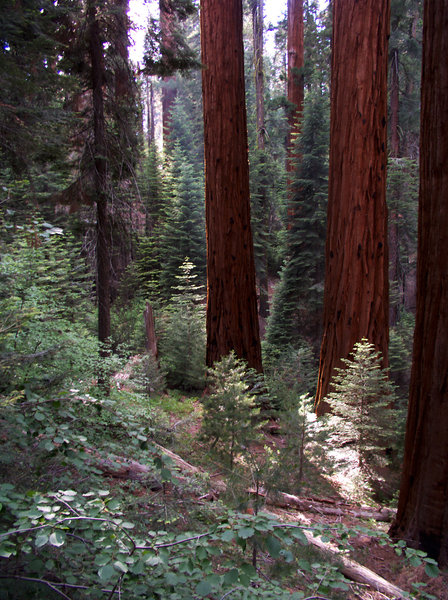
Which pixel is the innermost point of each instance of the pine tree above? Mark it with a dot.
(183, 231)
(362, 396)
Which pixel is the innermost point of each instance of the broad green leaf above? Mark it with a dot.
(171, 579)
(245, 532)
(203, 589)
(231, 576)
(106, 573)
(41, 540)
(273, 546)
(228, 535)
(57, 538)
(300, 536)
(431, 569)
(120, 566)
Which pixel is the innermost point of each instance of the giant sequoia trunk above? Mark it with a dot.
(232, 321)
(100, 174)
(422, 518)
(356, 274)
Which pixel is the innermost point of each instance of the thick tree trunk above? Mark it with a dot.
(102, 244)
(422, 518)
(356, 297)
(232, 321)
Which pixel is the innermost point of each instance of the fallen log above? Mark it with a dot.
(283, 500)
(356, 572)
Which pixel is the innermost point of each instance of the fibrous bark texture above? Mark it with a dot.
(356, 295)
(295, 77)
(232, 321)
(422, 518)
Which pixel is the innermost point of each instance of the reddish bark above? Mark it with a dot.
(232, 321)
(356, 296)
(422, 518)
(151, 338)
(295, 78)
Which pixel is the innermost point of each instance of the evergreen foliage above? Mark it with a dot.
(182, 333)
(164, 57)
(230, 409)
(364, 399)
(183, 230)
(46, 340)
(298, 297)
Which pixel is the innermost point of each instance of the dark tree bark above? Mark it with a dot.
(422, 517)
(356, 296)
(100, 174)
(121, 42)
(232, 321)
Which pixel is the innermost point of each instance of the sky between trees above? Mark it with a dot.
(139, 10)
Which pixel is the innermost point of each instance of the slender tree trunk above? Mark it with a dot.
(395, 153)
(121, 41)
(422, 517)
(257, 27)
(101, 176)
(232, 321)
(295, 91)
(356, 296)
(169, 90)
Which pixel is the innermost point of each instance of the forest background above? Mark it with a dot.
(102, 301)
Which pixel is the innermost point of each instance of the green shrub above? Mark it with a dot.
(181, 329)
(364, 399)
(231, 408)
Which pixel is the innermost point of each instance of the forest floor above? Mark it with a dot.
(200, 494)
(341, 489)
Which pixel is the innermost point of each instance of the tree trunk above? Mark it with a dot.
(232, 321)
(422, 518)
(356, 296)
(257, 26)
(121, 42)
(295, 92)
(169, 90)
(100, 175)
(395, 153)
(151, 337)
